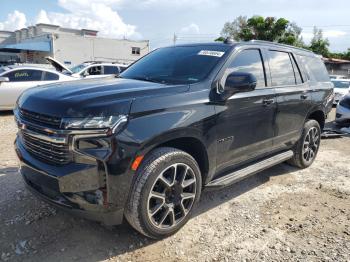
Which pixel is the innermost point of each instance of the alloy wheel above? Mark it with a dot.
(172, 196)
(311, 144)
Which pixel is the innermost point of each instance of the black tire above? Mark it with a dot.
(300, 158)
(148, 178)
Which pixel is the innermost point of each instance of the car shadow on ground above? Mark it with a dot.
(77, 235)
(6, 113)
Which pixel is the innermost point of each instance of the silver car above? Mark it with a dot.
(343, 111)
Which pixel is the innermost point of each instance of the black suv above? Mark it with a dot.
(183, 118)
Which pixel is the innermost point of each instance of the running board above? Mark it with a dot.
(250, 170)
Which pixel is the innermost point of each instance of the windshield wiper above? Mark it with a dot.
(148, 79)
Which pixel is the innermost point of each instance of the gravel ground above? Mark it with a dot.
(280, 214)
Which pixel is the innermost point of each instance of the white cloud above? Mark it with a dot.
(190, 29)
(99, 15)
(96, 14)
(334, 33)
(15, 20)
(307, 36)
(42, 17)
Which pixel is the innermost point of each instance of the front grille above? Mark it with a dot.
(41, 119)
(53, 153)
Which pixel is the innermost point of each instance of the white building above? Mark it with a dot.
(70, 46)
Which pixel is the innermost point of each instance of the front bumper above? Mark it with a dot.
(48, 187)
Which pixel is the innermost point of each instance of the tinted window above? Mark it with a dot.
(177, 65)
(122, 68)
(341, 84)
(111, 70)
(48, 76)
(249, 61)
(95, 70)
(316, 68)
(281, 69)
(24, 75)
(297, 73)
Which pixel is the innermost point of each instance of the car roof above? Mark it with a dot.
(233, 44)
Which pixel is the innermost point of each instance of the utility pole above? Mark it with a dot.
(175, 38)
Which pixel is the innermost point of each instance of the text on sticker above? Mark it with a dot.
(211, 53)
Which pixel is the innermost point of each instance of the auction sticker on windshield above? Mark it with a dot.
(211, 53)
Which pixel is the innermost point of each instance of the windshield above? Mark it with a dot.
(78, 68)
(341, 84)
(177, 65)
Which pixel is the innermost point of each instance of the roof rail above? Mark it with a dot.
(279, 44)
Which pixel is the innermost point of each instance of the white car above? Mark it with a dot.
(15, 79)
(89, 69)
(341, 88)
(342, 116)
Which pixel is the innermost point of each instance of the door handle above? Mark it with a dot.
(267, 102)
(304, 96)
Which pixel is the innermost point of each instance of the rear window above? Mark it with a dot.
(281, 68)
(316, 69)
(50, 76)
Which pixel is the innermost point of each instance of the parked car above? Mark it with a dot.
(337, 77)
(182, 118)
(342, 116)
(15, 79)
(341, 88)
(91, 69)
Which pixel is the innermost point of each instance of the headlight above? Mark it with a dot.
(99, 122)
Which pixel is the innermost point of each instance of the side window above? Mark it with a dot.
(24, 75)
(250, 61)
(281, 69)
(95, 70)
(316, 68)
(297, 74)
(48, 76)
(111, 70)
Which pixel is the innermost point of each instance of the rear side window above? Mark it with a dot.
(249, 61)
(48, 76)
(281, 69)
(297, 74)
(111, 70)
(316, 69)
(24, 75)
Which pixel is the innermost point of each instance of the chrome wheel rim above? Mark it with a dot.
(311, 144)
(172, 196)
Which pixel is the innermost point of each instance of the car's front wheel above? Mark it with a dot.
(165, 190)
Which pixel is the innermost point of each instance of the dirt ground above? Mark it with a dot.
(280, 214)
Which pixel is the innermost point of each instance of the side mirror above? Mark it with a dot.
(4, 79)
(237, 82)
(85, 73)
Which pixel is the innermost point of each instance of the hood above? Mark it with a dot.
(91, 97)
(58, 65)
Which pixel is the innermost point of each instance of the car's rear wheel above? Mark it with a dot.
(166, 188)
(306, 149)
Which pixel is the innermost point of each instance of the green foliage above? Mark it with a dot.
(319, 45)
(277, 30)
(260, 28)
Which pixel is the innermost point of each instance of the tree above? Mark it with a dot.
(319, 45)
(260, 28)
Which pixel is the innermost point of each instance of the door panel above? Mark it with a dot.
(245, 127)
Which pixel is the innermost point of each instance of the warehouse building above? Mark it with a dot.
(69, 46)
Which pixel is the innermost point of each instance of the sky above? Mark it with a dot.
(189, 20)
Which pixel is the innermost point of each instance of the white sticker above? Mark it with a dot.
(211, 53)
